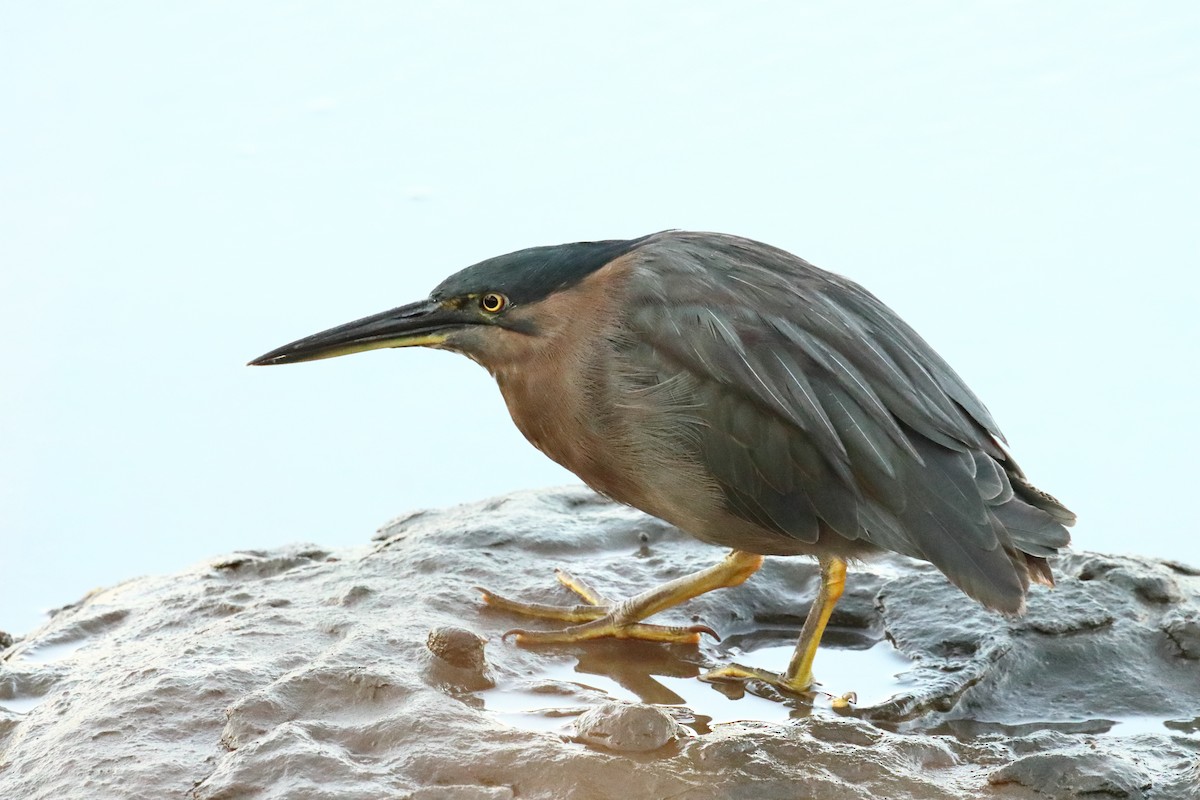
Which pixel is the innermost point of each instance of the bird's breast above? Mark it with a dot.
(618, 446)
(558, 415)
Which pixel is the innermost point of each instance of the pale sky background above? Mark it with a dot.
(184, 186)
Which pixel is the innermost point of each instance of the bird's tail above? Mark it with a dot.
(1036, 524)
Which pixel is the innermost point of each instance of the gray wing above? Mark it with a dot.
(820, 409)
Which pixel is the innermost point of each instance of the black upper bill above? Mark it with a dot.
(422, 323)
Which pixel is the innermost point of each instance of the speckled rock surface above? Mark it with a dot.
(376, 673)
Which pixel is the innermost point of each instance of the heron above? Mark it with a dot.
(745, 396)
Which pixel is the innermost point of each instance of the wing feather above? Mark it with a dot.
(819, 409)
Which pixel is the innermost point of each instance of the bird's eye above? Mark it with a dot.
(493, 302)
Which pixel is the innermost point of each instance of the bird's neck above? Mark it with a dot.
(559, 386)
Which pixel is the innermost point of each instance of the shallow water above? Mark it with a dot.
(21, 705)
(30, 694)
(49, 653)
(550, 700)
(567, 687)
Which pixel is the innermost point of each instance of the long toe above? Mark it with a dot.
(608, 629)
(575, 614)
(591, 622)
(736, 673)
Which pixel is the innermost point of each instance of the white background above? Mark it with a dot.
(184, 186)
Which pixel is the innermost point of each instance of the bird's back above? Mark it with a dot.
(779, 408)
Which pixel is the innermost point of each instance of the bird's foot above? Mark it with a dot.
(595, 619)
(607, 628)
(801, 686)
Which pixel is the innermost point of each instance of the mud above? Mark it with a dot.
(376, 672)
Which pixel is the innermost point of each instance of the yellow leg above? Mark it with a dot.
(833, 582)
(601, 619)
(798, 677)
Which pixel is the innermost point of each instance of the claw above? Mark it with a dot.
(843, 700)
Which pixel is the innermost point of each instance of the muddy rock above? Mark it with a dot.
(1183, 628)
(1077, 774)
(459, 661)
(627, 727)
(377, 672)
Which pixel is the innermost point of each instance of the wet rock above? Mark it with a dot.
(266, 564)
(355, 595)
(1070, 611)
(1076, 775)
(1183, 626)
(458, 647)
(1153, 583)
(628, 727)
(363, 673)
(463, 793)
(459, 663)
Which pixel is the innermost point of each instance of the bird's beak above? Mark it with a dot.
(426, 322)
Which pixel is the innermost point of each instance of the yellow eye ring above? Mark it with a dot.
(493, 302)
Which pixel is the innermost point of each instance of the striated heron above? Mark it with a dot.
(748, 398)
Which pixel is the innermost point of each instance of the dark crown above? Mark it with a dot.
(528, 276)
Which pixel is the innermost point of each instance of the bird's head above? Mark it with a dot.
(487, 311)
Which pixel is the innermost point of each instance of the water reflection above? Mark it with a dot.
(669, 677)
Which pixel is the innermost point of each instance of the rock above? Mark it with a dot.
(463, 793)
(376, 672)
(458, 647)
(1183, 627)
(628, 727)
(1077, 774)
(460, 662)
